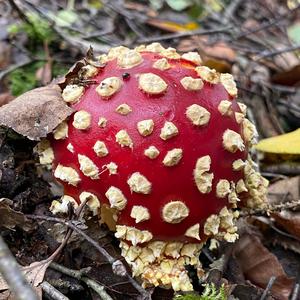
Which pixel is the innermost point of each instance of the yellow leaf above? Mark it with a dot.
(172, 26)
(288, 143)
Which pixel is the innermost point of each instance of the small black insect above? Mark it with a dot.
(125, 75)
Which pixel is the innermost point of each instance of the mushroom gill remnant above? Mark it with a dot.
(163, 142)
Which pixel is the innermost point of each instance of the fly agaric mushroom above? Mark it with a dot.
(161, 142)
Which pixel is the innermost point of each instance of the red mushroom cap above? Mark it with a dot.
(162, 142)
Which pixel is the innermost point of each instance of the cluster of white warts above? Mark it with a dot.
(144, 260)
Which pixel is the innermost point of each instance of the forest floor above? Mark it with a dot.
(257, 41)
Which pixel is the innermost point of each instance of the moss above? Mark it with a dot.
(37, 29)
(24, 79)
(210, 293)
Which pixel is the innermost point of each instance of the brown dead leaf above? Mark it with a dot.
(141, 8)
(35, 113)
(218, 51)
(5, 54)
(290, 77)
(10, 218)
(279, 190)
(289, 220)
(44, 73)
(34, 274)
(6, 295)
(287, 60)
(217, 64)
(71, 74)
(259, 265)
(5, 98)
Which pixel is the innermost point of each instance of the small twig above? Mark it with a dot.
(295, 292)
(288, 168)
(80, 44)
(184, 34)
(12, 274)
(270, 174)
(20, 12)
(268, 288)
(231, 8)
(79, 275)
(274, 208)
(270, 223)
(266, 54)
(64, 284)
(66, 238)
(52, 292)
(120, 269)
(14, 67)
(207, 254)
(270, 23)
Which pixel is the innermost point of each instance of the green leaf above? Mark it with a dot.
(156, 4)
(97, 4)
(65, 17)
(39, 29)
(294, 32)
(13, 28)
(179, 5)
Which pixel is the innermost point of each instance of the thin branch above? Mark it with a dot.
(80, 44)
(15, 67)
(117, 266)
(52, 292)
(12, 274)
(80, 275)
(288, 168)
(295, 292)
(268, 288)
(184, 34)
(230, 10)
(266, 54)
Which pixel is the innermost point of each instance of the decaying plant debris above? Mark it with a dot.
(76, 257)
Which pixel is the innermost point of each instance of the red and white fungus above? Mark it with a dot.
(161, 142)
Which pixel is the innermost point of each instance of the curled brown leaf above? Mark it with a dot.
(35, 113)
(289, 220)
(259, 265)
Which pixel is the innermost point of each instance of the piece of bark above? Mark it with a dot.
(35, 113)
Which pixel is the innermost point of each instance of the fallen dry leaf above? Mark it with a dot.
(5, 54)
(35, 113)
(72, 72)
(6, 98)
(10, 218)
(145, 9)
(290, 77)
(34, 274)
(288, 143)
(172, 26)
(44, 73)
(279, 190)
(289, 220)
(287, 60)
(259, 265)
(218, 51)
(6, 295)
